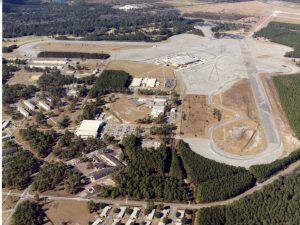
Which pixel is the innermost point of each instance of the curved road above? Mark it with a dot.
(258, 187)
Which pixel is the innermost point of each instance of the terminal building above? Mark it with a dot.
(89, 128)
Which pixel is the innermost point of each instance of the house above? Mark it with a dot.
(89, 128)
(105, 211)
(44, 106)
(122, 212)
(150, 216)
(130, 221)
(135, 212)
(29, 105)
(97, 221)
(115, 221)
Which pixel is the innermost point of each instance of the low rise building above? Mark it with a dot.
(23, 111)
(94, 176)
(136, 82)
(29, 105)
(89, 128)
(44, 106)
(105, 211)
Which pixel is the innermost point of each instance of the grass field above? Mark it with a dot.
(285, 34)
(288, 88)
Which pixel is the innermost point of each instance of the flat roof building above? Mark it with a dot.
(105, 211)
(23, 111)
(89, 128)
(122, 212)
(29, 105)
(44, 106)
(94, 176)
(136, 82)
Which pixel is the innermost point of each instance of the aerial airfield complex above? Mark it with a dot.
(227, 109)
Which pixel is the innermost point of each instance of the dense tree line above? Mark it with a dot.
(277, 203)
(110, 81)
(93, 22)
(215, 16)
(224, 187)
(9, 48)
(8, 72)
(288, 88)
(53, 83)
(41, 142)
(283, 33)
(200, 169)
(144, 178)
(263, 171)
(18, 170)
(176, 169)
(16, 92)
(84, 55)
(70, 147)
(220, 27)
(152, 92)
(90, 111)
(28, 213)
(50, 176)
(165, 129)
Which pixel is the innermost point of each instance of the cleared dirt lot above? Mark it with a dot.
(196, 116)
(84, 47)
(245, 135)
(126, 111)
(72, 212)
(138, 69)
(24, 77)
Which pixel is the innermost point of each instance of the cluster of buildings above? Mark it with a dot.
(157, 104)
(181, 61)
(144, 82)
(29, 106)
(44, 64)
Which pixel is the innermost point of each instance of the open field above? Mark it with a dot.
(25, 77)
(196, 116)
(240, 97)
(126, 111)
(139, 69)
(85, 47)
(72, 212)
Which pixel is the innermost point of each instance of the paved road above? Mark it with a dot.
(258, 187)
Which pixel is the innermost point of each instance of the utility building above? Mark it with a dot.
(89, 128)
(44, 106)
(29, 105)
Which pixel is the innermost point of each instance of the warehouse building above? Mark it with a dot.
(89, 128)
(29, 105)
(136, 82)
(23, 111)
(44, 106)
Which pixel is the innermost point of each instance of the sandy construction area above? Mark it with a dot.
(72, 212)
(24, 77)
(85, 47)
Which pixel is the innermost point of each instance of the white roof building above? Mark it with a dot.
(105, 211)
(45, 66)
(157, 110)
(135, 213)
(97, 221)
(161, 223)
(115, 221)
(129, 221)
(44, 106)
(23, 111)
(122, 212)
(165, 213)
(29, 105)
(53, 62)
(150, 216)
(89, 128)
(151, 82)
(136, 82)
